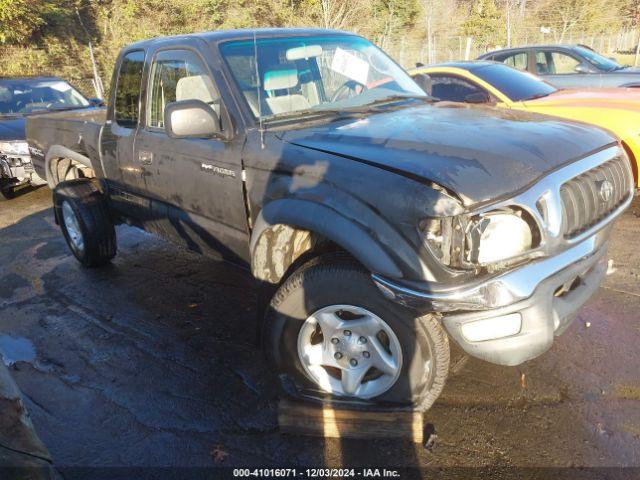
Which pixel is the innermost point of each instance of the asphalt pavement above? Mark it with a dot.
(151, 362)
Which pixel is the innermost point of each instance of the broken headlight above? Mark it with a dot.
(437, 236)
(497, 236)
(475, 241)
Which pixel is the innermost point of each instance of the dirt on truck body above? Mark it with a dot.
(378, 222)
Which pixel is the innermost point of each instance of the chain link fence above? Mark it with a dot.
(75, 66)
(407, 51)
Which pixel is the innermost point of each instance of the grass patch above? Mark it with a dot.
(627, 392)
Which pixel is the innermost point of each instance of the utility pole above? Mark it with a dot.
(97, 81)
(508, 2)
(429, 20)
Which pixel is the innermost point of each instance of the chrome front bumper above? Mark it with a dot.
(516, 314)
(546, 293)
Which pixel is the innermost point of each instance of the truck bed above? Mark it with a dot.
(75, 130)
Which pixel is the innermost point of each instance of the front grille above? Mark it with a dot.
(591, 197)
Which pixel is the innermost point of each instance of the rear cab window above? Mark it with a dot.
(127, 96)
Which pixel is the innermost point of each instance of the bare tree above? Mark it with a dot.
(340, 14)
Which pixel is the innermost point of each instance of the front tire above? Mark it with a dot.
(331, 334)
(83, 217)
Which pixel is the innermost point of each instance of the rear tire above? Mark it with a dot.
(83, 217)
(7, 193)
(410, 370)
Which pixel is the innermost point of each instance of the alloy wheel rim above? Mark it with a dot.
(349, 351)
(73, 227)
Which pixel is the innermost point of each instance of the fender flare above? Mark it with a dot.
(57, 152)
(312, 216)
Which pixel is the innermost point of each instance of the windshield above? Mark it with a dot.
(298, 74)
(602, 63)
(22, 97)
(515, 84)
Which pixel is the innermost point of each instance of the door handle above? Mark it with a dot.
(145, 157)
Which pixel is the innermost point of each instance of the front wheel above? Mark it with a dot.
(331, 334)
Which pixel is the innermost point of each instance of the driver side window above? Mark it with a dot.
(453, 89)
(178, 75)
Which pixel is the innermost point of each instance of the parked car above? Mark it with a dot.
(565, 66)
(20, 98)
(374, 219)
(491, 83)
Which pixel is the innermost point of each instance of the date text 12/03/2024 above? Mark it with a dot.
(316, 472)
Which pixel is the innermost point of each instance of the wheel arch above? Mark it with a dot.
(57, 153)
(286, 229)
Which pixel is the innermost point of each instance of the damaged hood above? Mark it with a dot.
(480, 153)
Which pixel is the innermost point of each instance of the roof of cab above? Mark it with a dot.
(217, 36)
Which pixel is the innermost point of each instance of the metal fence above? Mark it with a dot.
(445, 48)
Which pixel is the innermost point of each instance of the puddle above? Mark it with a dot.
(16, 349)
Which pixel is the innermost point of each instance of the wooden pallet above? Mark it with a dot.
(300, 418)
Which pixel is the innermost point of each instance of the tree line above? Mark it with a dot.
(37, 35)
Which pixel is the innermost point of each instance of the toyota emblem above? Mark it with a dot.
(605, 190)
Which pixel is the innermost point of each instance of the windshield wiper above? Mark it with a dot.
(315, 112)
(345, 112)
(397, 98)
(62, 109)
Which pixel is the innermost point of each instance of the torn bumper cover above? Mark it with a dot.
(513, 317)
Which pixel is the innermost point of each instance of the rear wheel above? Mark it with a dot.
(7, 193)
(331, 335)
(83, 217)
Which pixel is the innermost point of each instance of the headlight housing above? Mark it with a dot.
(496, 237)
(483, 240)
(14, 147)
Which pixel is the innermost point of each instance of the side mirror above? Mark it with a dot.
(190, 119)
(478, 97)
(582, 68)
(424, 82)
(96, 102)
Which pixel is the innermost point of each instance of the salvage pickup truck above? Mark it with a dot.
(377, 221)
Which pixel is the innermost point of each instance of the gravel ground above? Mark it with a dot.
(151, 362)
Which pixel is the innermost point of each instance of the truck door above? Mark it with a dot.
(198, 181)
(119, 135)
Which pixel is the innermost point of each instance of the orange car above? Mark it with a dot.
(615, 109)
